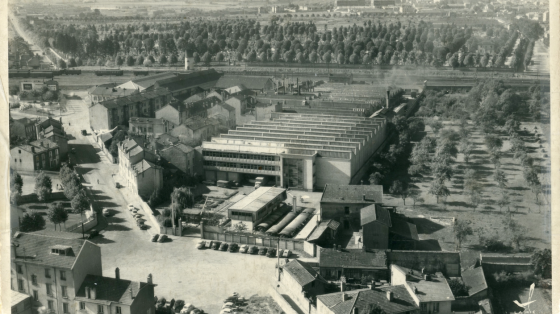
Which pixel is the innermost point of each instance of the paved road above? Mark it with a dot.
(540, 59)
(34, 48)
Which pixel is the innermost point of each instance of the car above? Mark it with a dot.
(201, 245)
(93, 234)
(155, 237)
(131, 207)
(216, 245)
(117, 185)
(263, 251)
(224, 246)
(271, 252)
(280, 252)
(286, 253)
(228, 305)
(243, 249)
(84, 132)
(106, 212)
(231, 299)
(226, 310)
(209, 244)
(253, 250)
(233, 247)
(162, 238)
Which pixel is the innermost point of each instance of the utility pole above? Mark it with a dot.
(278, 257)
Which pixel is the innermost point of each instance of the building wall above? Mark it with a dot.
(21, 160)
(99, 117)
(149, 181)
(23, 131)
(375, 235)
(240, 107)
(183, 133)
(449, 263)
(336, 211)
(31, 85)
(144, 301)
(332, 171)
(169, 113)
(23, 307)
(62, 144)
(333, 273)
(296, 291)
(88, 263)
(150, 128)
(179, 159)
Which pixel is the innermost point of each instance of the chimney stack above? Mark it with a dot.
(390, 296)
(117, 273)
(364, 197)
(131, 294)
(150, 280)
(93, 293)
(88, 293)
(42, 143)
(387, 102)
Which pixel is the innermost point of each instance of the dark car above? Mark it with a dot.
(233, 247)
(271, 252)
(253, 250)
(263, 251)
(155, 237)
(84, 132)
(93, 234)
(216, 245)
(201, 245)
(224, 246)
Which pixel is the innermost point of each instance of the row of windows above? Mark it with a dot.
(100, 308)
(241, 156)
(241, 216)
(242, 166)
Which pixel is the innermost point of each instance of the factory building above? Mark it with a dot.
(298, 151)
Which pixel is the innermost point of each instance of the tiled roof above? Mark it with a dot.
(18, 297)
(435, 289)
(50, 121)
(375, 213)
(145, 120)
(301, 272)
(474, 279)
(149, 81)
(404, 229)
(110, 289)
(193, 98)
(184, 148)
(196, 122)
(166, 138)
(142, 166)
(38, 147)
(508, 259)
(24, 121)
(136, 97)
(352, 194)
(321, 228)
(250, 82)
(402, 301)
(227, 107)
(105, 136)
(110, 90)
(352, 258)
(35, 248)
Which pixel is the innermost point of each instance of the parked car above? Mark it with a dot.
(228, 305)
(93, 234)
(106, 212)
(224, 246)
(233, 247)
(263, 251)
(84, 132)
(244, 248)
(117, 185)
(287, 253)
(226, 310)
(201, 245)
(209, 244)
(162, 238)
(131, 207)
(280, 252)
(253, 250)
(271, 252)
(216, 245)
(155, 237)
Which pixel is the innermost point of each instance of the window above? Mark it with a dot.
(119, 310)
(15, 159)
(64, 291)
(99, 308)
(19, 269)
(20, 284)
(62, 275)
(50, 304)
(82, 305)
(19, 151)
(49, 289)
(436, 308)
(35, 295)
(34, 279)
(346, 210)
(64, 307)
(47, 273)
(423, 307)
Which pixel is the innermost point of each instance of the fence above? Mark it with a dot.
(88, 224)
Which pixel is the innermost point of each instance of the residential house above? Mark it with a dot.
(353, 264)
(195, 97)
(324, 233)
(390, 299)
(42, 125)
(103, 92)
(261, 84)
(221, 96)
(196, 129)
(476, 284)
(240, 103)
(30, 85)
(21, 303)
(343, 203)
(104, 141)
(200, 108)
(51, 269)
(223, 113)
(448, 263)
(430, 291)
(263, 111)
(376, 222)
(301, 283)
(138, 166)
(174, 112)
(180, 156)
(23, 128)
(149, 126)
(99, 294)
(37, 155)
(58, 136)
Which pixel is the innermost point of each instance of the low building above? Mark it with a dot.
(108, 91)
(138, 168)
(240, 103)
(149, 126)
(21, 303)
(345, 202)
(163, 141)
(179, 156)
(57, 136)
(196, 129)
(51, 269)
(223, 113)
(376, 223)
(389, 299)
(260, 84)
(37, 155)
(510, 263)
(23, 128)
(200, 108)
(353, 264)
(324, 233)
(30, 85)
(475, 281)
(447, 263)
(302, 283)
(52, 85)
(252, 209)
(99, 294)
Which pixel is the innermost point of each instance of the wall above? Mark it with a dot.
(179, 159)
(32, 198)
(144, 301)
(26, 163)
(375, 235)
(23, 307)
(170, 114)
(99, 117)
(278, 298)
(336, 212)
(310, 248)
(449, 263)
(149, 181)
(295, 291)
(332, 171)
(88, 263)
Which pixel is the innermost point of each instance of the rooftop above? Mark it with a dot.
(474, 279)
(36, 249)
(142, 166)
(111, 90)
(352, 258)
(111, 289)
(405, 229)
(18, 297)
(250, 82)
(257, 199)
(196, 122)
(402, 301)
(375, 213)
(352, 194)
(136, 97)
(321, 228)
(433, 290)
(301, 272)
(503, 258)
(38, 146)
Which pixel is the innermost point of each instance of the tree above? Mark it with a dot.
(148, 63)
(542, 261)
(56, 214)
(80, 203)
(399, 188)
(466, 148)
(32, 222)
(239, 227)
(206, 58)
(119, 60)
(458, 288)
(129, 61)
(416, 196)
(43, 186)
(503, 201)
(61, 64)
(16, 182)
(493, 142)
(439, 189)
(162, 60)
(475, 197)
(462, 230)
(500, 178)
(173, 59)
(516, 232)
(183, 197)
(140, 60)
(376, 178)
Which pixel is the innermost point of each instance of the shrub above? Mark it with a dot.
(458, 288)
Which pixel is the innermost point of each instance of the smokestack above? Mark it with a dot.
(150, 280)
(117, 273)
(390, 296)
(294, 201)
(364, 197)
(387, 101)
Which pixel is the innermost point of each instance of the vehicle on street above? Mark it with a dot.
(253, 250)
(286, 253)
(233, 247)
(106, 212)
(271, 252)
(162, 238)
(216, 245)
(228, 305)
(84, 132)
(263, 251)
(226, 310)
(201, 245)
(117, 185)
(244, 248)
(131, 207)
(209, 244)
(224, 246)
(155, 237)
(93, 234)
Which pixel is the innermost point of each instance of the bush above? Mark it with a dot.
(458, 288)
(505, 280)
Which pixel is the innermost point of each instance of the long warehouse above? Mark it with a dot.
(297, 151)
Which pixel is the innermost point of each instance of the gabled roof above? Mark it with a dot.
(24, 121)
(105, 136)
(301, 272)
(361, 299)
(193, 98)
(436, 289)
(196, 122)
(111, 90)
(47, 145)
(353, 259)
(167, 138)
(375, 213)
(142, 166)
(203, 104)
(36, 248)
(18, 297)
(322, 228)
(148, 81)
(250, 82)
(404, 228)
(110, 289)
(352, 194)
(474, 279)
